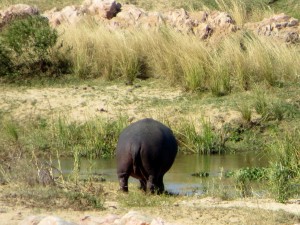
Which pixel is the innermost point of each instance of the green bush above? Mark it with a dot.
(27, 48)
(32, 33)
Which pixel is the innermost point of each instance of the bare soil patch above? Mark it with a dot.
(85, 101)
(110, 101)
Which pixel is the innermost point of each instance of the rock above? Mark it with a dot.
(134, 218)
(221, 19)
(130, 218)
(92, 220)
(214, 24)
(31, 220)
(16, 11)
(105, 8)
(279, 26)
(44, 220)
(203, 24)
(134, 17)
(69, 15)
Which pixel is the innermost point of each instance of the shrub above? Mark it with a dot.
(28, 47)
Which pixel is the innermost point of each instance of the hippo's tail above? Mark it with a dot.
(138, 168)
(136, 158)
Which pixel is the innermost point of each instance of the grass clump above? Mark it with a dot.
(207, 141)
(111, 56)
(246, 112)
(140, 199)
(92, 139)
(285, 168)
(79, 197)
(274, 109)
(245, 177)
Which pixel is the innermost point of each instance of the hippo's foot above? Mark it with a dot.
(143, 185)
(123, 189)
(123, 181)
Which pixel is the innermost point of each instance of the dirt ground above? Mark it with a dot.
(189, 211)
(183, 210)
(84, 102)
(110, 101)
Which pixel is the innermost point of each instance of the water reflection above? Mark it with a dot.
(179, 178)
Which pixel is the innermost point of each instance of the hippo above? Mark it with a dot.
(146, 150)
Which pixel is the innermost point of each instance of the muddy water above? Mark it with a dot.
(178, 179)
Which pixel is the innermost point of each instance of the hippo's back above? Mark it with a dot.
(148, 132)
(151, 141)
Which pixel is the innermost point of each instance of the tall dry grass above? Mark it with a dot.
(238, 62)
(245, 11)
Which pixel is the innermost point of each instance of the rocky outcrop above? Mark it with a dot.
(131, 218)
(16, 11)
(45, 220)
(101, 9)
(280, 26)
(104, 8)
(69, 15)
(114, 16)
(214, 23)
(203, 24)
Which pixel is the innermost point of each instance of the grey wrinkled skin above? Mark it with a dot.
(146, 150)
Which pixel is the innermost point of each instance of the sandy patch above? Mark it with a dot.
(111, 101)
(84, 102)
(189, 211)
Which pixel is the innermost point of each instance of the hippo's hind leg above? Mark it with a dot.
(143, 185)
(160, 185)
(155, 184)
(123, 181)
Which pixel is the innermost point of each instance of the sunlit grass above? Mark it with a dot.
(239, 62)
